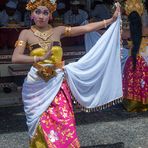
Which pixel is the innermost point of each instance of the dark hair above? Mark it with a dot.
(136, 34)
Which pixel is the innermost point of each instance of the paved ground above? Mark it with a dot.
(110, 128)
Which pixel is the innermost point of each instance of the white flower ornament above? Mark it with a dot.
(53, 1)
(53, 136)
(32, 1)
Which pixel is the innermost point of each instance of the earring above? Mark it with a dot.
(50, 18)
(32, 20)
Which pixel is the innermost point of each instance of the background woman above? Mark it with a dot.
(135, 77)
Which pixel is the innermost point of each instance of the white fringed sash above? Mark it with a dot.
(96, 79)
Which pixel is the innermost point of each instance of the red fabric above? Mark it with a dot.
(58, 121)
(8, 37)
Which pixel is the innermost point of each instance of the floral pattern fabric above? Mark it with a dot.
(135, 83)
(58, 123)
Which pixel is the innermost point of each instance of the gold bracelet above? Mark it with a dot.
(20, 43)
(105, 25)
(35, 59)
(68, 31)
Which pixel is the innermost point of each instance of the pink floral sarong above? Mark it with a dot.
(135, 85)
(57, 122)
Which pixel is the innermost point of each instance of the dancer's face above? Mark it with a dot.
(41, 16)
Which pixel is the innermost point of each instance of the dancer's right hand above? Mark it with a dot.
(48, 54)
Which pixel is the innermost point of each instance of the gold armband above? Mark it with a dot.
(20, 43)
(68, 31)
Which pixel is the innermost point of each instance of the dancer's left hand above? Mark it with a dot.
(117, 11)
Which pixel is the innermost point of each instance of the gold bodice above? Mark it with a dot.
(56, 50)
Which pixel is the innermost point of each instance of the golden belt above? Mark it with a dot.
(45, 72)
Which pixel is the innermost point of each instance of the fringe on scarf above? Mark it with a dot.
(102, 107)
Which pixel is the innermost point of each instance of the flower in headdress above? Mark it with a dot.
(32, 1)
(53, 1)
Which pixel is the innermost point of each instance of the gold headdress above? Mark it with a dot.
(134, 5)
(50, 4)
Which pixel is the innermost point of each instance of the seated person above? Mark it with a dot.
(100, 11)
(58, 15)
(10, 15)
(75, 16)
(2, 5)
(25, 15)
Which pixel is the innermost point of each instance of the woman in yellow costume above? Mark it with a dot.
(46, 95)
(135, 77)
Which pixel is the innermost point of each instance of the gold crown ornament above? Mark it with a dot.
(50, 4)
(134, 5)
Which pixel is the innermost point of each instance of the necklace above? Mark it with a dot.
(45, 45)
(43, 35)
